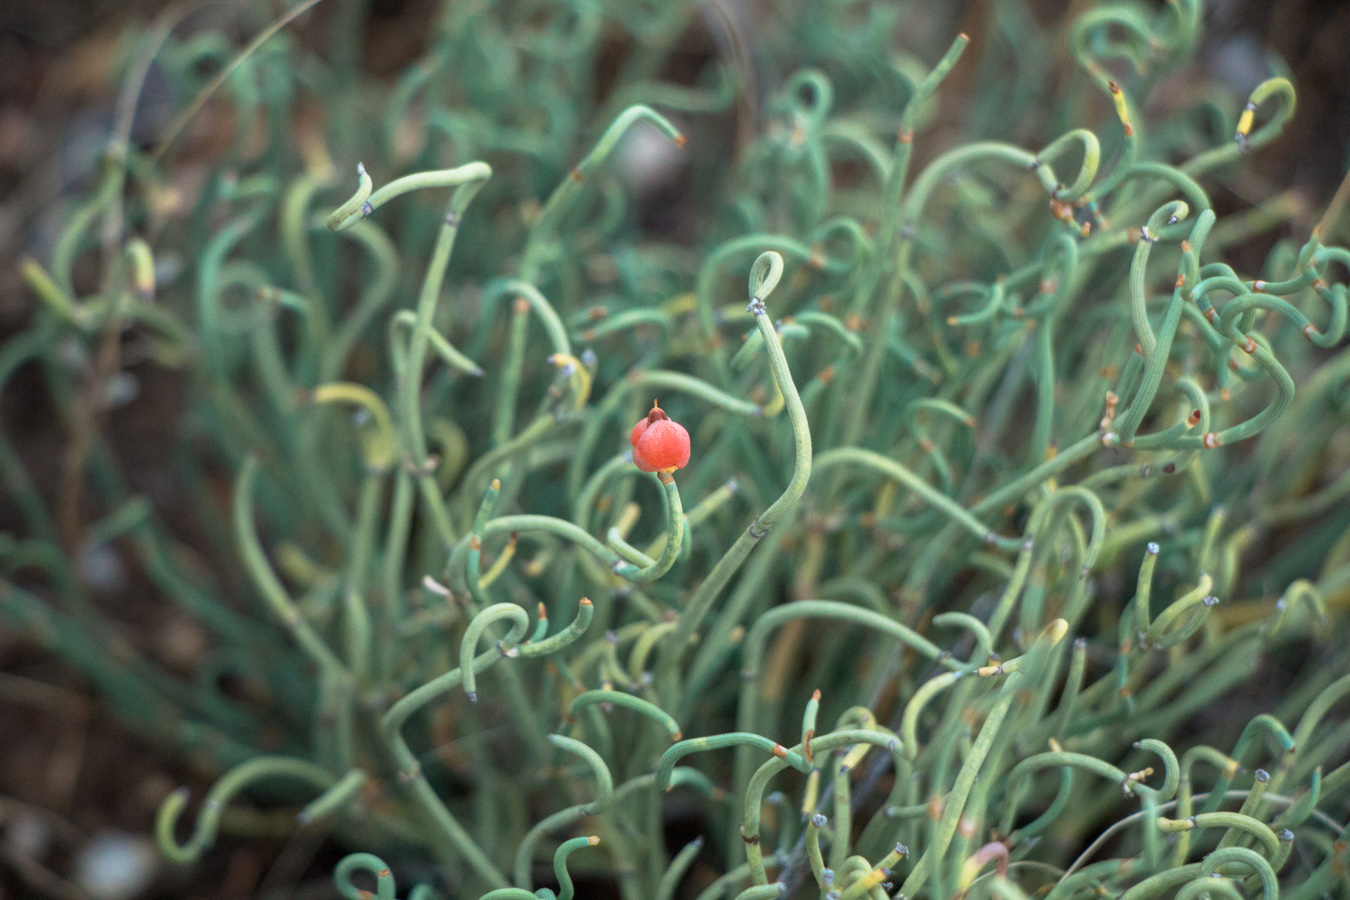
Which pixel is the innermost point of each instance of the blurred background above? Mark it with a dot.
(77, 794)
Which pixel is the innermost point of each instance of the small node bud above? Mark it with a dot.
(1261, 775)
(1210, 600)
(366, 209)
(1210, 441)
(1153, 548)
(1285, 835)
(818, 820)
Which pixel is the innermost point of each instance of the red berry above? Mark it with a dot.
(659, 443)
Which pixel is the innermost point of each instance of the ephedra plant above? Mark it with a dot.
(932, 493)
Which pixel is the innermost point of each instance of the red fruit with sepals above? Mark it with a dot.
(659, 442)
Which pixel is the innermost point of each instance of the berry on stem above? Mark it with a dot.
(660, 444)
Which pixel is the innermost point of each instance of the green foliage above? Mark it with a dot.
(969, 472)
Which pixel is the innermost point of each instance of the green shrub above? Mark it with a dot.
(968, 473)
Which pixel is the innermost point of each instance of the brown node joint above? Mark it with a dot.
(1250, 346)
(1210, 440)
(905, 136)
(577, 175)
(1185, 246)
(935, 807)
(521, 306)
(779, 751)
(680, 140)
(1211, 315)
(1309, 331)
